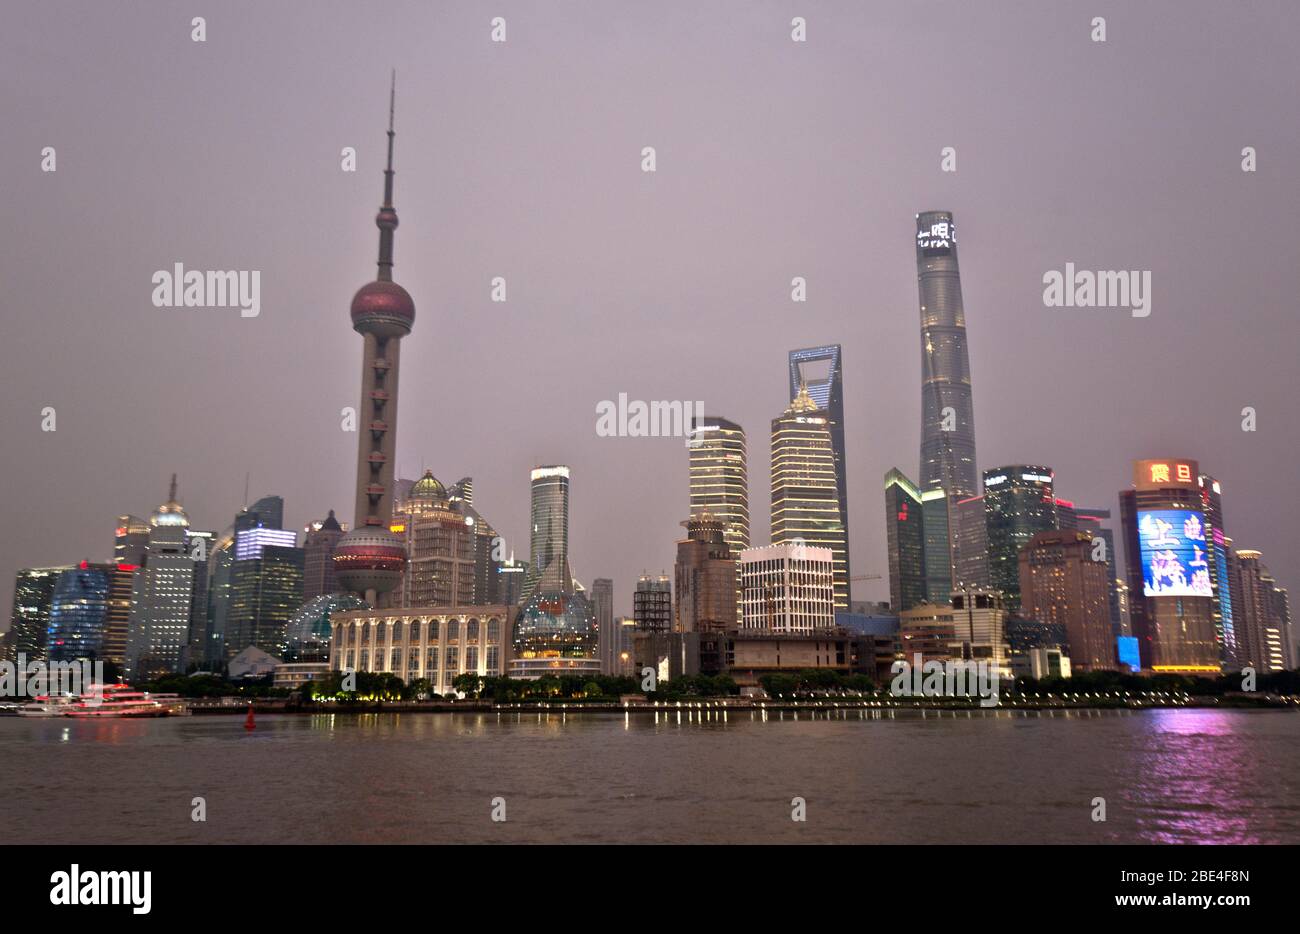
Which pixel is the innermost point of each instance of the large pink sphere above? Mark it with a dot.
(383, 308)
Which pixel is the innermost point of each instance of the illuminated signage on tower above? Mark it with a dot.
(936, 239)
(1155, 474)
(1172, 543)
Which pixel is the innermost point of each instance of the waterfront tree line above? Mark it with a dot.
(369, 687)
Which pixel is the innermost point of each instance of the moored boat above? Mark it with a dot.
(47, 705)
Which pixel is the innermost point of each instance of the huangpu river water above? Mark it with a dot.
(1167, 776)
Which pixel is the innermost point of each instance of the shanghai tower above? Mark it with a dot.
(370, 558)
(947, 416)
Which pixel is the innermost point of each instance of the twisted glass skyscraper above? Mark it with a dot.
(947, 416)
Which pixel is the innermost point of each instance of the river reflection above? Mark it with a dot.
(678, 775)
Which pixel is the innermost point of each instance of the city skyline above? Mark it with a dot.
(114, 449)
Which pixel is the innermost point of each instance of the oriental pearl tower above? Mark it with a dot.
(369, 559)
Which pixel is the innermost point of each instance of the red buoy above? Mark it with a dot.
(248, 721)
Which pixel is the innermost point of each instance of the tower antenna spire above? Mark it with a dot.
(171, 494)
(387, 219)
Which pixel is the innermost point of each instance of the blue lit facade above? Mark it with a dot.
(79, 613)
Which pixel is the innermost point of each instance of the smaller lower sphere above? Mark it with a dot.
(369, 558)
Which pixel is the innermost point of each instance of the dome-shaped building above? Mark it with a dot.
(555, 632)
(428, 488)
(308, 632)
(170, 513)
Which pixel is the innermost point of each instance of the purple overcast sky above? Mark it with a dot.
(775, 159)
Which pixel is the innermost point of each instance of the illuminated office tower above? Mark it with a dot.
(706, 579)
(1067, 517)
(1281, 608)
(602, 604)
(971, 558)
(1089, 520)
(1167, 568)
(1265, 630)
(510, 581)
(1278, 648)
(439, 547)
(159, 628)
(549, 529)
(947, 414)
(821, 371)
(719, 483)
(318, 558)
(131, 540)
(199, 545)
(1062, 586)
(368, 560)
(1216, 550)
(267, 512)
(30, 622)
(937, 544)
(449, 548)
(1019, 502)
(805, 501)
(265, 590)
(79, 613)
(121, 594)
(221, 561)
(652, 604)
(905, 536)
(462, 489)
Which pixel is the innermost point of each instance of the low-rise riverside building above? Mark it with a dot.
(436, 643)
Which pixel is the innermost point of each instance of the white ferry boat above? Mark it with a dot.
(47, 705)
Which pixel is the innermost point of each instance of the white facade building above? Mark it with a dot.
(437, 643)
(787, 588)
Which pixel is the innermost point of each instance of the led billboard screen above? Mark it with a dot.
(1174, 563)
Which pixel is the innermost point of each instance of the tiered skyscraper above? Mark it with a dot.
(369, 559)
(820, 370)
(805, 500)
(719, 482)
